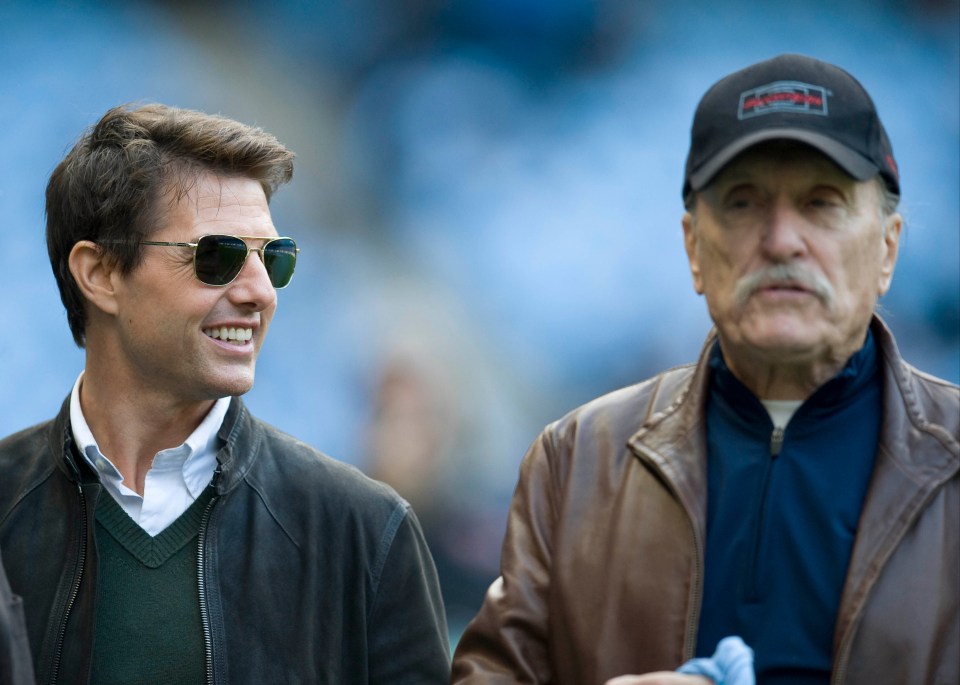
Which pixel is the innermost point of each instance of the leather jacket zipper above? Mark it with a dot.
(75, 590)
(843, 654)
(202, 585)
(693, 625)
(693, 622)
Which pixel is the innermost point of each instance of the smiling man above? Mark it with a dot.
(786, 509)
(155, 530)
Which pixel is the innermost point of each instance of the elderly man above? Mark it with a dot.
(156, 531)
(796, 490)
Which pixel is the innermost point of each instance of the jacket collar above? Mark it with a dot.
(239, 437)
(918, 449)
(917, 454)
(672, 437)
(62, 450)
(915, 416)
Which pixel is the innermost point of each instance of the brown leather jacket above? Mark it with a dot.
(602, 564)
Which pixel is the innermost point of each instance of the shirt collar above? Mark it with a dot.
(199, 449)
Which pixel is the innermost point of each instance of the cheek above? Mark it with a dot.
(266, 317)
(855, 275)
(717, 264)
(860, 265)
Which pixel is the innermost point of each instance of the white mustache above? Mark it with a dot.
(784, 275)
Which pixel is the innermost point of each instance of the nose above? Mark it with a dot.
(252, 288)
(784, 238)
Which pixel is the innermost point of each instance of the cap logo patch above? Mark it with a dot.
(783, 96)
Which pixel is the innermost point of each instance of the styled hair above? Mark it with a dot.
(109, 187)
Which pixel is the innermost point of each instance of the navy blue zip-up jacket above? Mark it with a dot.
(782, 514)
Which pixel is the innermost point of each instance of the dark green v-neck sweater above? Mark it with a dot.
(148, 628)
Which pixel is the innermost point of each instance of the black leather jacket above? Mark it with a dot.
(309, 572)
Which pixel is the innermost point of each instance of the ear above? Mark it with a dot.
(890, 250)
(690, 238)
(95, 273)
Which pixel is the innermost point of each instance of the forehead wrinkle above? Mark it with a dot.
(208, 197)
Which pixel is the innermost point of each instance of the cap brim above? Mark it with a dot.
(855, 164)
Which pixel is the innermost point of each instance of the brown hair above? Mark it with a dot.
(107, 189)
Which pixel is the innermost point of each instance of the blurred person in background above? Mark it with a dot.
(786, 508)
(157, 532)
(429, 437)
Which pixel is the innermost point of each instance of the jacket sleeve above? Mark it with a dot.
(507, 641)
(408, 636)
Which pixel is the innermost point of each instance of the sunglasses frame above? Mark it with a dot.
(241, 238)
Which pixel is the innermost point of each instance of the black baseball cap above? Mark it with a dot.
(790, 97)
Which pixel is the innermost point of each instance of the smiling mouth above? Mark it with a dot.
(237, 336)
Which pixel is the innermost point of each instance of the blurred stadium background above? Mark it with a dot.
(487, 196)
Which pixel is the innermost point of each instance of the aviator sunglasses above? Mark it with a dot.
(218, 259)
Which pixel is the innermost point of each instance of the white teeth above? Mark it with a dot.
(239, 335)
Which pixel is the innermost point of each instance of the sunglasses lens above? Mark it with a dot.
(280, 258)
(219, 258)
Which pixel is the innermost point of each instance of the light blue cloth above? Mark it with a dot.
(731, 664)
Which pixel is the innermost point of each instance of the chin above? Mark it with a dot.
(238, 389)
(786, 337)
(232, 387)
(786, 348)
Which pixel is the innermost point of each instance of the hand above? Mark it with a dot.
(661, 678)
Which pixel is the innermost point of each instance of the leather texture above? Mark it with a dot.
(311, 572)
(601, 568)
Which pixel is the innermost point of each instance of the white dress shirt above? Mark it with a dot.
(176, 478)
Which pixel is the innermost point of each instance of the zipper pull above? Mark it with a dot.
(776, 441)
(216, 475)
